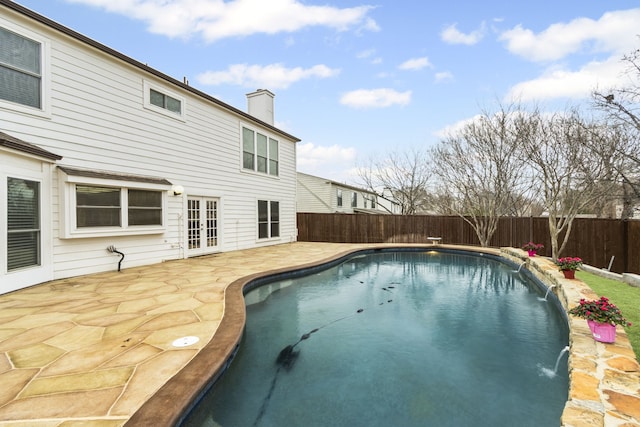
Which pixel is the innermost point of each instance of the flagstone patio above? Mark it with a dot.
(111, 349)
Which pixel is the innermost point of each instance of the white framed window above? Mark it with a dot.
(163, 101)
(354, 200)
(268, 219)
(106, 207)
(260, 152)
(24, 70)
(339, 197)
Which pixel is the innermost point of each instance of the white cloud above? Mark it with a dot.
(456, 127)
(273, 76)
(560, 82)
(452, 35)
(415, 64)
(443, 76)
(325, 161)
(216, 19)
(369, 54)
(375, 98)
(366, 54)
(614, 32)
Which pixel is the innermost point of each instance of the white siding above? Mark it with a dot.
(98, 121)
(314, 194)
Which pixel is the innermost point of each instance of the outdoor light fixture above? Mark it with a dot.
(177, 190)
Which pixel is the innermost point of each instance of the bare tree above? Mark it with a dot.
(623, 104)
(622, 108)
(617, 145)
(481, 176)
(399, 178)
(569, 174)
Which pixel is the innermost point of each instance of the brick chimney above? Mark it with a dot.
(260, 105)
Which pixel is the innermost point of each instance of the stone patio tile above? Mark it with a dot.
(149, 377)
(37, 320)
(30, 423)
(134, 356)
(5, 363)
(91, 357)
(212, 311)
(34, 336)
(127, 326)
(75, 306)
(94, 380)
(35, 356)
(10, 313)
(92, 403)
(164, 338)
(134, 305)
(13, 382)
(92, 423)
(169, 319)
(183, 304)
(77, 337)
(216, 295)
(103, 317)
(154, 287)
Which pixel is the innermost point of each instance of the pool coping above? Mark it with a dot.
(604, 378)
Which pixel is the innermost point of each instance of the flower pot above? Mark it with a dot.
(603, 332)
(532, 252)
(569, 274)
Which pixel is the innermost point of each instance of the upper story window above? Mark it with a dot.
(163, 101)
(22, 69)
(354, 200)
(339, 197)
(259, 152)
(373, 202)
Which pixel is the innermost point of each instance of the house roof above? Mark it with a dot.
(84, 39)
(92, 173)
(340, 184)
(9, 141)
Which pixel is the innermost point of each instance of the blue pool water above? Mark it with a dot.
(396, 339)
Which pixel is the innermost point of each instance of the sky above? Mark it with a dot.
(356, 80)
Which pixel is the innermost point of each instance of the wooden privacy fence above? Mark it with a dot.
(594, 240)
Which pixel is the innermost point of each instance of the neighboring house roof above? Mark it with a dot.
(371, 211)
(9, 141)
(340, 184)
(92, 173)
(84, 39)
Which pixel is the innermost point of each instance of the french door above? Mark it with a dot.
(202, 225)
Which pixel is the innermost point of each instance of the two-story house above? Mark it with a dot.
(101, 154)
(321, 195)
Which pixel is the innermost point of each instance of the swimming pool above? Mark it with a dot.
(396, 338)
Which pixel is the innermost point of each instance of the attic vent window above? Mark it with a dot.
(163, 101)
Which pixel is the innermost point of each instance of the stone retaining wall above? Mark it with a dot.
(604, 379)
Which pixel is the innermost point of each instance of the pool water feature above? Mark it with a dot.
(396, 338)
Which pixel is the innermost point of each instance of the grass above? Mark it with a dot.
(626, 297)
